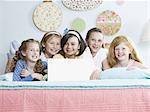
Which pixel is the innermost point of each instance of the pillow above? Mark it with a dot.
(14, 45)
(122, 73)
(6, 77)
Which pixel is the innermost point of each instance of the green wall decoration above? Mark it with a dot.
(78, 24)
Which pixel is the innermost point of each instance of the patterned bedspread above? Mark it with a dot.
(86, 96)
(89, 84)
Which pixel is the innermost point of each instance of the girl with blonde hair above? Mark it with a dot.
(122, 53)
(122, 47)
(50, 44)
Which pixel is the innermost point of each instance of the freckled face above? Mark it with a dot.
(122, 52)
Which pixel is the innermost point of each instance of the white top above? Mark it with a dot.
(99, 57)
(86, 54)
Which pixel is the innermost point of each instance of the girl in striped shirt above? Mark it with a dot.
(29, 67)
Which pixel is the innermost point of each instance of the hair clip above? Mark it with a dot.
(65, 31)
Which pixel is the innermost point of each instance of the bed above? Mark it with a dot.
(108, 95)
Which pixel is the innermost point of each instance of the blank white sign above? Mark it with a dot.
(69, 69)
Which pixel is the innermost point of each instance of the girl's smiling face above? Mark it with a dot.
(52, 45)
(95, 42)
(71, 47)
(32, 53)
(122, 52)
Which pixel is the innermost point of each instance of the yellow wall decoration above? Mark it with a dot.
(47, 16)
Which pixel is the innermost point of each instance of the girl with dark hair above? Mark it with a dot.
(95, 42)
(72, 45)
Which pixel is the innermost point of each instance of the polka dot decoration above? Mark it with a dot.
(47, 16)
(81, 5)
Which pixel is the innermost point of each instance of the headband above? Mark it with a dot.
(74, 33)
(53, 33)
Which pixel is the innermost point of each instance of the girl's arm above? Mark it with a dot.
(37, 76)
(95, 74)
(143, 68)
(17, 72)
(146, 70)
(105, 64)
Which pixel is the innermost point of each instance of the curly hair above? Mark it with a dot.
(18, 55)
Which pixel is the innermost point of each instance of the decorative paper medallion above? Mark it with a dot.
(78, 24)
(81, 5)
(120, 2)
(109, 22)
(47, 16)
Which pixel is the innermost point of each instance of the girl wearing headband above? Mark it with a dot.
(72, 45)
(50, 44)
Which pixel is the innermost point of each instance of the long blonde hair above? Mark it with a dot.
(111, 58)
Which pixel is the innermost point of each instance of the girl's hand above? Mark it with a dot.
(46, 71)
(132, 68)
(37, 76)
(95, 75)
(25, 73)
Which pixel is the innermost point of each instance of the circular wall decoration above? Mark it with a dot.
(109, 22)
(47, 16)
(120, 2)
(81, 5)
(78, 24)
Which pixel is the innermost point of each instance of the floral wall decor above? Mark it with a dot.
(109, 22)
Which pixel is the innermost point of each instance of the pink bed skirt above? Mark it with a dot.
(100, 100)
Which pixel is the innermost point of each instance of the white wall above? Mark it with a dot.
(16, 22)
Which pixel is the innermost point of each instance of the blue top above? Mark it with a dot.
(21, 64)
